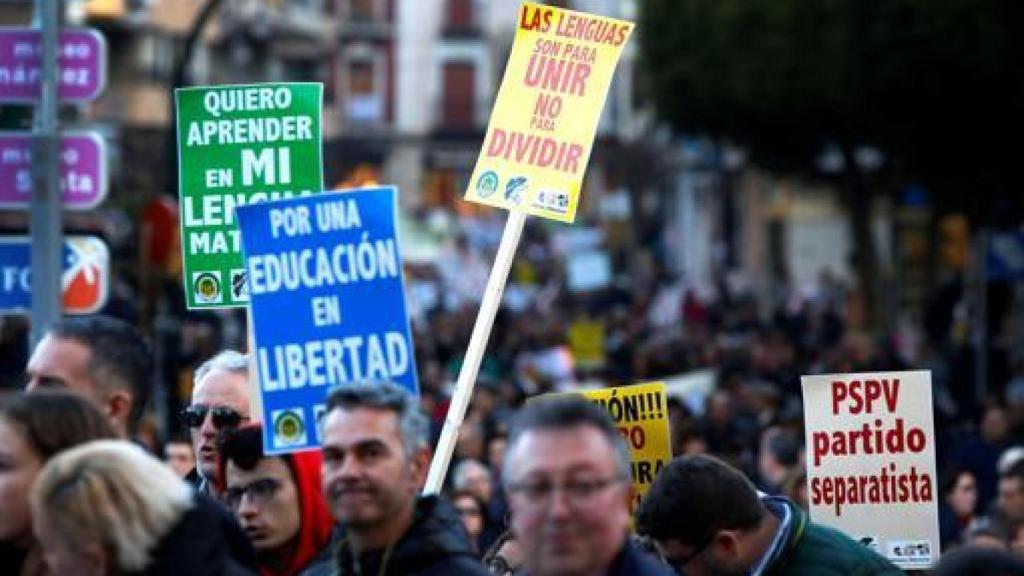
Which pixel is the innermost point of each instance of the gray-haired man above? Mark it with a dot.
(220, 400)
(375, 459)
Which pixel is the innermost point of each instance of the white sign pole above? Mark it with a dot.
(475, 351)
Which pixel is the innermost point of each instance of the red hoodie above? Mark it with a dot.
(315, 521)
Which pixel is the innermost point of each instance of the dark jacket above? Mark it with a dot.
(815, 550)
(198, 545)
(633, 561)
(196, 481)
(436, 544)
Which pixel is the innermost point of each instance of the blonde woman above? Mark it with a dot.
(107, 508)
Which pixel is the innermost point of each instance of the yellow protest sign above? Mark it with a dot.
(587, 342)
(542, 127)
(641, 415)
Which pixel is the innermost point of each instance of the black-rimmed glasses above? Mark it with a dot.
(578, 491)
(260, 491)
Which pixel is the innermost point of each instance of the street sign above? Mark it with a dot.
(84, 283)
(1004, 258)
(83, 170)
(327, 303)
(81, 64)
(238, 145)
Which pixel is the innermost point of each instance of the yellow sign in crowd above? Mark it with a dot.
(542, 127)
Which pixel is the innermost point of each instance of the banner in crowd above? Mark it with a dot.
(238, 145)
(871, 461)
(327, 302)
(542, 126)
(587, 340)
(641, 414)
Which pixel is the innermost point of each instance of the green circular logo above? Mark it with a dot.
(207, 286)
(487, 184)
(289, 426)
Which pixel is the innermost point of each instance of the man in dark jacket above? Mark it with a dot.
(567, 475)
(375, 459)
(710, 520)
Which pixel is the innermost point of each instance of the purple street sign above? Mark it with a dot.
(83, 174)
(81, 64)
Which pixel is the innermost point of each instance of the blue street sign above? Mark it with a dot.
(1004, 258)
(84, 283)
(327, 304)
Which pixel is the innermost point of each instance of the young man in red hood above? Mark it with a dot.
(277, 500)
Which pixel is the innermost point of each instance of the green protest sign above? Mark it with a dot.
(238, 145)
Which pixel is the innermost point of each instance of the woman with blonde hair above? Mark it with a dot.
(107, 508)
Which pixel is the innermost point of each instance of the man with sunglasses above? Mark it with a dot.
(709, 520)
(220, 402)
(567, 475)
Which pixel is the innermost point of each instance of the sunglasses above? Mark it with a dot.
(221, 416)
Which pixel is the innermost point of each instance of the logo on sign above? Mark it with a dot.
(515, 189)
(83, 283)
(289, 427)
(487, 184)
(554, 200)
(911, 551)
(239, 287)
(206, 287)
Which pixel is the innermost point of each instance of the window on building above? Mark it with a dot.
(365, 103)
(362, 10)
(459, 95)
(460, 14)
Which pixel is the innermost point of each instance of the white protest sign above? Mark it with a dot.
(871, 461)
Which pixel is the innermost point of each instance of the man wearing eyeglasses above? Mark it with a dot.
(567, 475)
(277, 500)
(710, 521)
(220, 401)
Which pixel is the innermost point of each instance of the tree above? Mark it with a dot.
(936, 85)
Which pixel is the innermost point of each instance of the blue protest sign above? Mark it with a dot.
(327, 304)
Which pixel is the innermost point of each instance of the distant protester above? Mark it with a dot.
(959, 493)
(34, 428)
(979, 562)
(277, 500)
(178, 454)
(107, 508)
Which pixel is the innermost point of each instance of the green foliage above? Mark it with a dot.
(938, 85)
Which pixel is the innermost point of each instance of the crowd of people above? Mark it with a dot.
(538, 488)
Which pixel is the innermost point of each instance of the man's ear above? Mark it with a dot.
(727, 544)
(118, 409)
(419, 465)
